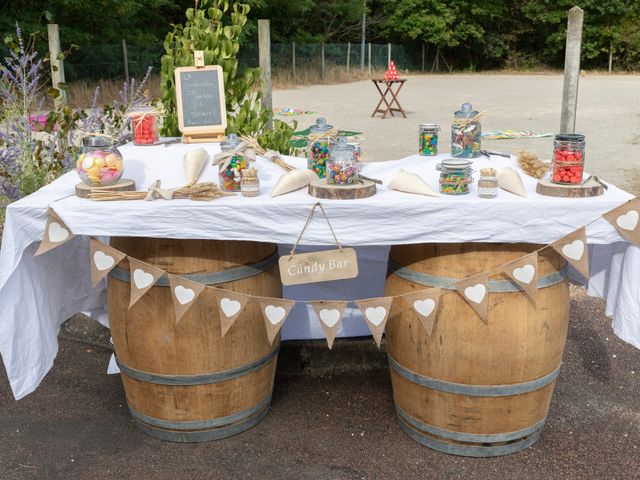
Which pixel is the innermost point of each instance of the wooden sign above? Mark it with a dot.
(316, 267)
(202, 111)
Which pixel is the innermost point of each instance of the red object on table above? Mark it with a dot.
(568, 166)
(145, 129)
(391, 73)
(388, 92)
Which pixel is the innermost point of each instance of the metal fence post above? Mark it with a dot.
(322, 60)
(348, 56)
(293, 61)
(423, 57)
(264, 49)
(388, 55)
(125, 60)
(369, 58)
(571, 71)
(57, 65)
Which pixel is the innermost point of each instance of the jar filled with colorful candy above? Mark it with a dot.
(455, 176)
(319, 143)
(567, 166)
(342, 167)
(145, 125)
(100, 163)
(465, 133)
(428, 139)
(230, 170)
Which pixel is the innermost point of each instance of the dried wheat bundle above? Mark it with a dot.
(201, 192)
(531, 164)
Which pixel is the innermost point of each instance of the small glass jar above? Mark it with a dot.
(428, 139)
(100, 162)
(319, 143)
(250, 184)
(230, 171)
(567, 166)
(466, 132)
(488, 183)
(145, 126)
(342, 167)
(455, 176)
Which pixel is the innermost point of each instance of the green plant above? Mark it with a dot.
(216, 31)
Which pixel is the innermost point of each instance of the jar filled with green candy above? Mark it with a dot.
(319, 142)
(455, 176)
(428, 139)
(466, 131)
(230, 171)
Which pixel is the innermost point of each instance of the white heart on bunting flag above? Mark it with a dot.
(184, 292)
(143, 276)
(103, 259)
(275, 311)
(55, 233)
(230, 305)
(376, 312)
(573, 247)
(425, 305)
(475, 290)
(524, 272)
(626, 219)
(330, 316)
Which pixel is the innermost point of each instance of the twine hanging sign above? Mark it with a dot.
(337, 264)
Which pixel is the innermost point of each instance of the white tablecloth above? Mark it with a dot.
(38, 293)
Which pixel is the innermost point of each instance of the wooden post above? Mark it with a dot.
(264, 48)
(322, 60)
(388, 55)
(125, 60)
(423, 57)
(571, 71)
(348, 56)
(293, 61)
(57, 65)
(369, 58)
(610, 56)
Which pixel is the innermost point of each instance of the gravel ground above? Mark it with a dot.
(76, 425)
(608, 114)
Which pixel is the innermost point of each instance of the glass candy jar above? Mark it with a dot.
(342, 167)
(567, 166)
(428, 139)
(465, 133)
(455, 176)
(100, 162)
(230, 171)
(488, 183)
(319, 143)
(145, 126)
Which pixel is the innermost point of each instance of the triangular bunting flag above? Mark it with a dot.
(425, 305)
(185, 293)
(375, 312)
(626, 219)
(524, 271)
(275, 312)
(103, 259)
(143, 277)
(573, 248)
(230, 305)
(55, 233)
(330, 316)
(475, 290)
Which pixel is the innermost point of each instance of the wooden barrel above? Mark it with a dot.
(473, 388)
(184, 383)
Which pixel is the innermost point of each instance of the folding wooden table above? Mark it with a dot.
(383, 97)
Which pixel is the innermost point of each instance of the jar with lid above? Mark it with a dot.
(230, 171)
(488, 183)
(250, 184)
(455, 176)
(342, 167)
(145, 126)
(567, 166)
(428, 139)
(465, 133)
(100, 162)
(319, 142)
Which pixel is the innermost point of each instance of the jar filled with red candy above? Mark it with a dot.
(145, 126)
(567, 165)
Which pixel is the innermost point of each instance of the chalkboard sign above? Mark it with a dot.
(202, 112)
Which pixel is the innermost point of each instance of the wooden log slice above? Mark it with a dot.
(590, 188)
(123, 185)
(321, 189)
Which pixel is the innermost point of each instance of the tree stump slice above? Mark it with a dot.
(123, 185)
(590, 188)
(321, 189)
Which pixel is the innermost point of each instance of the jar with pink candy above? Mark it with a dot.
(100, 163)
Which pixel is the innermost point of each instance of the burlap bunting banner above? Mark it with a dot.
(425, 305)
(626, 219)
(230, 305)
(524, 271)
(376, 312)
(475, 290)
(573, 248)
(55, 234)
(330, 315)
(143, 277)
(103, 259)
(185, 293)
(275, 312)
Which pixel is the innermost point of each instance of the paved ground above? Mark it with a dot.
(76, 426)
(608, 114)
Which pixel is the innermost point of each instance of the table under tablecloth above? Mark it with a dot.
(38, 293)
